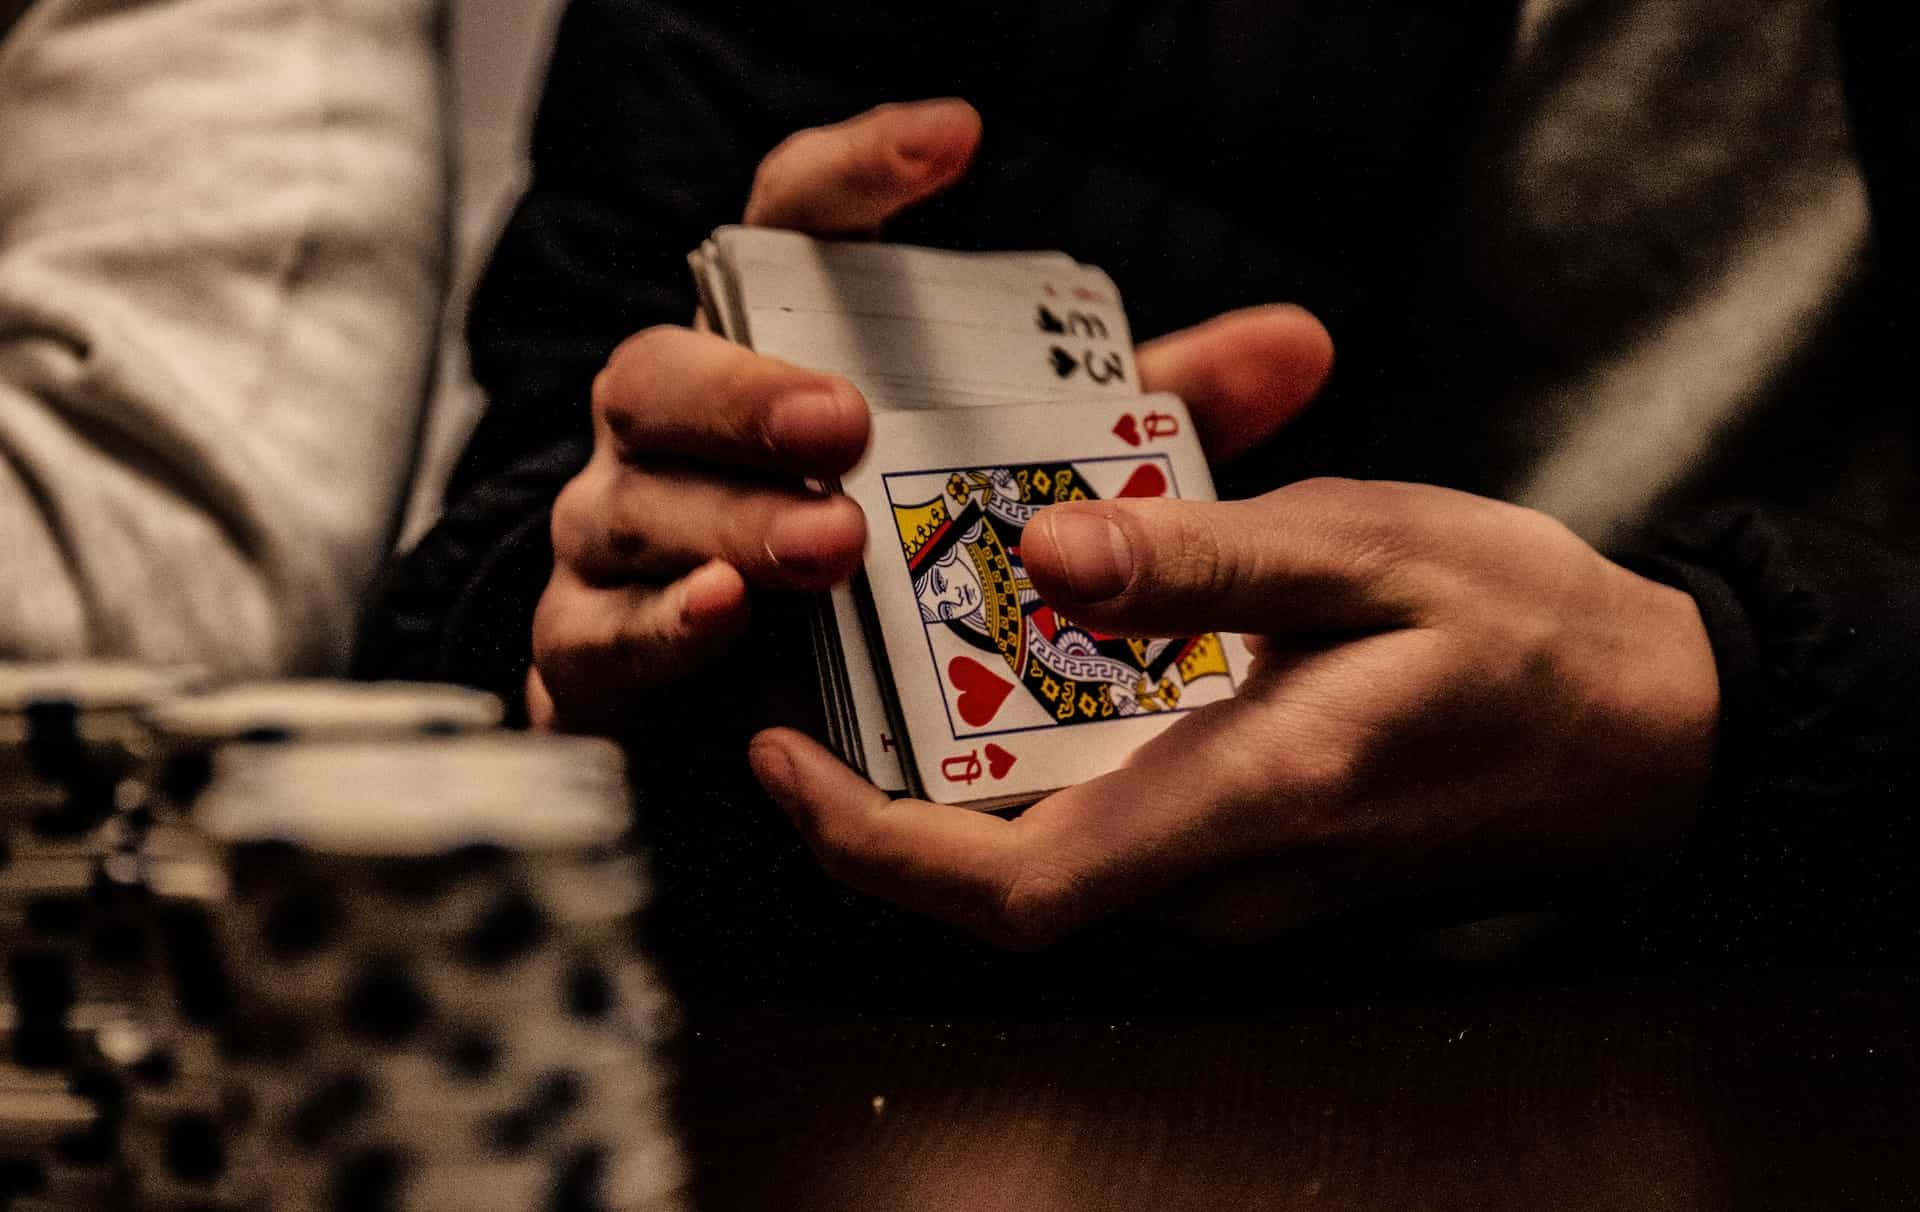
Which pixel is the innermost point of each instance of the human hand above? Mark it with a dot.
(692, 494)
(1449, 693)
(700, 447)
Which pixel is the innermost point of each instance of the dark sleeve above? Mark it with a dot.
(593, 253)
(1806, 848)
(656, 114)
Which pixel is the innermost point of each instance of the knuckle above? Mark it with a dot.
(633, 647)
(563, 650)
(1357, 506)
(1336, 489)
(1207, 566)
(634, 363)
(872, 164)
(645, 352)
(570, 519)
(1371, 532)
(600, 395)
(1328, 774)
(630, 541)
(773, 176)
(745, 390)
(744, 537)
(766, 181)
(1034, 909)
(1355, 502)
(552, 636)
(839, 841)
(631, 523)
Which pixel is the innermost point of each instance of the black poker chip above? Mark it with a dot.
(371, 978)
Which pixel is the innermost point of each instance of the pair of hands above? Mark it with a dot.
(1448, 691)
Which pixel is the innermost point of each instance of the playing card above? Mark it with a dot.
(719, 301)
(912, 328)
(872, 741)
(920, 328)
(1002, 698)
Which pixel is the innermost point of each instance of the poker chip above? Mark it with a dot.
(57, 1139)
(37, 1113)
(425, 798)
(57, 718)
(386, 960)
(181, 1129)
(73, 921)
(322, 711)
(185, 872)
(436, 1000)
(187, 728)
(180, 867)
(92, 686)
(70, 737)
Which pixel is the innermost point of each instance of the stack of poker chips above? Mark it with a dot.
(40, 1123)
(434, 995)
(70, 912)
(177, 1111)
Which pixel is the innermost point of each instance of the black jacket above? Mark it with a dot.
(1211, 156)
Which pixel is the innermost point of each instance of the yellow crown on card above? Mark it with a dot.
(918, 524)
(1206, 656)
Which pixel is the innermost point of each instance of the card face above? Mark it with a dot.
(912, 328)
(1003, 697)
(927, 330)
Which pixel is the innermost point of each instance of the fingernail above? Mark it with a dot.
(807, 538)
(801, 425)
(1094, 552)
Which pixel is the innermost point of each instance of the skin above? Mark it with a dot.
(1450, 694)
(690, 499)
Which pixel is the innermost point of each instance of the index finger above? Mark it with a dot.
(1244, 374)
(675, 392)
(855, 175)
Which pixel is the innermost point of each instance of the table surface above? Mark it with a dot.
(1704, 1090)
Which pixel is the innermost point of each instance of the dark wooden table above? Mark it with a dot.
(1702, 1090)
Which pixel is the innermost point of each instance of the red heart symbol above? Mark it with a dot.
(999, 761)
(981, 693)
(1146, 481)
(1127, 429)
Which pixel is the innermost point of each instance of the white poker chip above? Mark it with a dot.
(94, 705)
(92, 685)
(323, 711)
(35, 1111)
(31, 877)
(417, 798)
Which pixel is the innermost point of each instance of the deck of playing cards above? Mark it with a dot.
(1000, 384)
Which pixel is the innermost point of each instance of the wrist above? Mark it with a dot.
(1666, 689)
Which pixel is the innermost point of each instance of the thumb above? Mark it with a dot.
(1243, 375)
(855, 175)
(1168, 567)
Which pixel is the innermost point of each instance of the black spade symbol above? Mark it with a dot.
(1049, 322)
(1064, 363)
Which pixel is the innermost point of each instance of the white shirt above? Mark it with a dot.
(221, 247)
